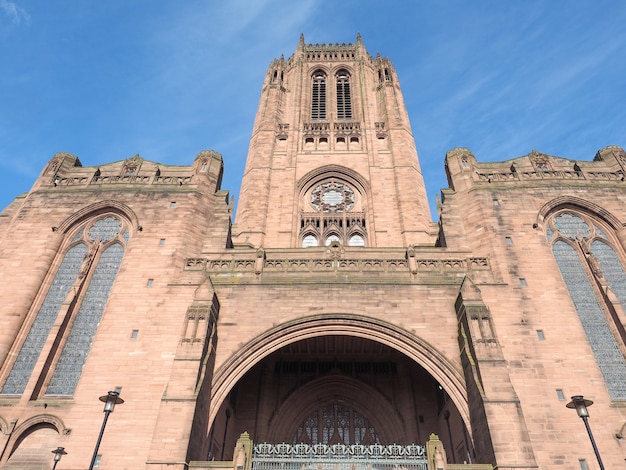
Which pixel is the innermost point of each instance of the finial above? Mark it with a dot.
(358, 38)
(301, 44)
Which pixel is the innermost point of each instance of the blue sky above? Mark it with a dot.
(164, 79)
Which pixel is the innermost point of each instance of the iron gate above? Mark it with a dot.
(338, 457)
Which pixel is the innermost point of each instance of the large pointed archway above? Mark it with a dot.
(338, 379)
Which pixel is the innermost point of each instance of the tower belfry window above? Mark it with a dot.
(318, 98)
(344, 103)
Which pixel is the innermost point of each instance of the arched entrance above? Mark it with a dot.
(340, 380)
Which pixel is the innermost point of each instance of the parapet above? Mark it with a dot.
(536, 169)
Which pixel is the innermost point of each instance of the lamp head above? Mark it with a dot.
(580, 404)
(58, 453)
(110, 400)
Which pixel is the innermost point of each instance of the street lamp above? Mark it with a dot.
(580, 403)
(58, 453)
(110, 400)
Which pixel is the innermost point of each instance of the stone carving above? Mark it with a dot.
(465, 162)
(54, 165)
(381, 133)
(335, 252)
(195, 263)
(282, 131)
(192, 333)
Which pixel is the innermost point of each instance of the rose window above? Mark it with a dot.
(332, 197)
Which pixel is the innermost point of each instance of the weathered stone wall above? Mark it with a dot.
(498, 210)
(172, 213)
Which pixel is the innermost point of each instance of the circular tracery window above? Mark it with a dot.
(332, 197)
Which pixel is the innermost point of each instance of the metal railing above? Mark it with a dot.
(338, 457)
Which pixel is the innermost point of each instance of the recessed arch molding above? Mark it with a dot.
(100, 207)
(415, 348)
(577, 204)
(332, 171)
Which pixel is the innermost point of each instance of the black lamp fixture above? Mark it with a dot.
(580, 404)
(58, 453)
(110, 400)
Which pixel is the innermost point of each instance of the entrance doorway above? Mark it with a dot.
(338, 390)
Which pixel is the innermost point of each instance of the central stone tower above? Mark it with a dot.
(332, 156)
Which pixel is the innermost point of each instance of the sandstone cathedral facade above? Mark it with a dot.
(331, 314)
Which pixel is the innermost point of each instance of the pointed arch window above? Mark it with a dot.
(357, 240)
(332, 238)
(591, 269)
(318, 98)
(309, 240)
(79, 291)
(336, 424)
(344, 101)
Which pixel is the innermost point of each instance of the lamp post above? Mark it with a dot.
(58, 453)
(580, 404)
(110, 400)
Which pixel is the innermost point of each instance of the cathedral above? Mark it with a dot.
(329, 322)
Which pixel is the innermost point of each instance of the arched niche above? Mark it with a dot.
(32, 441)
(400, 340)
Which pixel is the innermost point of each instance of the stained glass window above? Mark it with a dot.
(611, 269)
(74, 355)
(571, 226)
(335, 424)
(85, 262)
(105, 229)
(63, 281)
(602, 263)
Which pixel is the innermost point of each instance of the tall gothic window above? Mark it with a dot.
(344, 103)
(591, 268)
(81, 286)
(318, 98)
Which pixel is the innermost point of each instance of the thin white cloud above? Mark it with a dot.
(16, 14)
(577, 72)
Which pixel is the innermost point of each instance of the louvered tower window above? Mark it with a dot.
(344, 103)
(318, 99)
